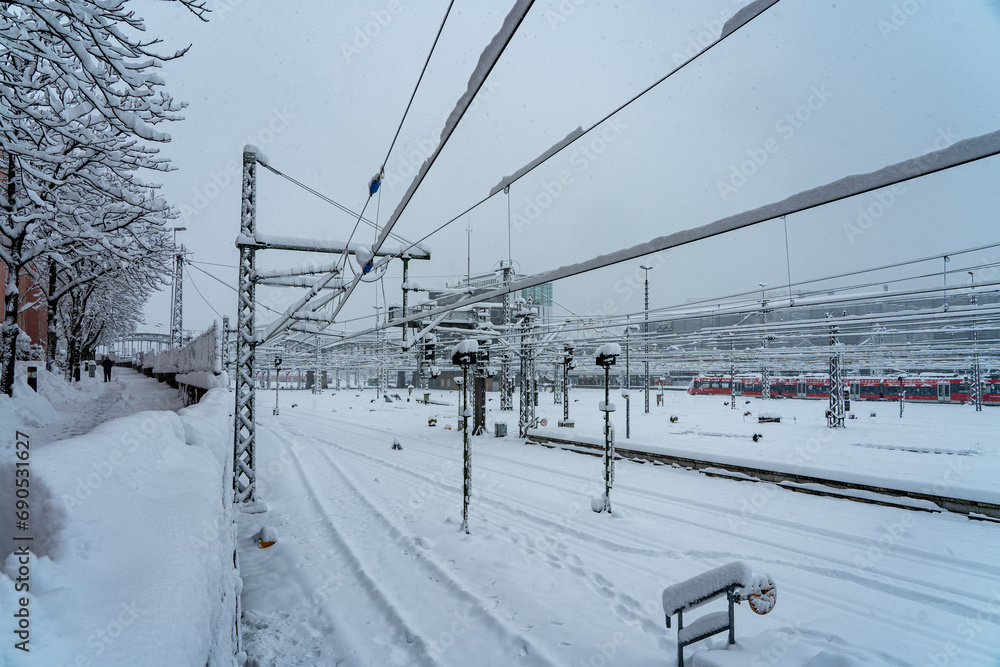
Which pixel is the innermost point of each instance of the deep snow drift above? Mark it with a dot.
(131, 530)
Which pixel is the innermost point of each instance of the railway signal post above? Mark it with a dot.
(605, 357)
(464, 356)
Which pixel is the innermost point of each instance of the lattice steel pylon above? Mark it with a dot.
(507, 357)
(765, 372)
(526, 419)
(383, 377)
(244, 430)
(765, 378)
(177, 303)
(224, 347)
(835, 411)
(556, 385)
(976, 397)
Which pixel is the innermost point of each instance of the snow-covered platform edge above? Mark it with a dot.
(856, 486)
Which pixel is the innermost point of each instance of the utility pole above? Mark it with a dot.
(944, 276)
(527, 415)
(977, 371)
(765, 372)
(224, 350)
(406, 291)
(732, 374)
(506, 358)
(277, 382)
(556, 384)
(244, 431)
(568, 365)
(176, 293)
(627, 384)
(645, 335)
(835, 411)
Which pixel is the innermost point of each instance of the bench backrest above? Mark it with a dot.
(705, 586)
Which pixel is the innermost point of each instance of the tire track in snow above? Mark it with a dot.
(626, 606)
(381, 601)
(514, 644)
(956, 607)
(972, 568)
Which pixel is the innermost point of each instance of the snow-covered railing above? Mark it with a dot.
(735, 581)
(194, 368)
(201, 354)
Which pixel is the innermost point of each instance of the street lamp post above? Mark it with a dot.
(627, 385)
(645, 335)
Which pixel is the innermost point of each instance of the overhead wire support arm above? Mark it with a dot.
(958, 154)
(336, 204)
(487, 61)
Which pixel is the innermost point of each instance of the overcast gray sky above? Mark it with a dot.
(807, 93)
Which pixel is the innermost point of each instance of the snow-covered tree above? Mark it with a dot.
(80, 109)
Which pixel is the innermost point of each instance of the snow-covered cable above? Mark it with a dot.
(487, 61)
(958, 154)
(742, 18)
(419, 79)
(195, 285)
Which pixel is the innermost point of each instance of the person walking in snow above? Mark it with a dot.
(107, 364)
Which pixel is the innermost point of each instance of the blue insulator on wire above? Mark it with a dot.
(376, 181)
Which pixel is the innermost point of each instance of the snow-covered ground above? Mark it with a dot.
(61, 410)
(129, 526)
(370, 567)
(945, 450)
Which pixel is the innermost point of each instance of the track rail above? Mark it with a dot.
(879, 495)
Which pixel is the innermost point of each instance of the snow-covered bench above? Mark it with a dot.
(735, 581)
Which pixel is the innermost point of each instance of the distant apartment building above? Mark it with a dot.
(33, 318)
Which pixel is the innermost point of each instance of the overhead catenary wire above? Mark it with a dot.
(399, 128)
(195, 285)
(962, 153)
(485, 66)
(417, 86)
(330, 201)
(559, 149)
(223, 282)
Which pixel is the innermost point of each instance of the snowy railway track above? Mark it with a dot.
(393, 568)
(758, 522)
(532, 533)
(911, 588)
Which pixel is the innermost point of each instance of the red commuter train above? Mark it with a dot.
(919, 389)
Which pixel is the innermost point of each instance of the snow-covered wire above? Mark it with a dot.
(419, 79)
(195, 285)
(487, 61)
(224, 266)
(220, 280)
(400, 127)
(332, 202)
(579, 135)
